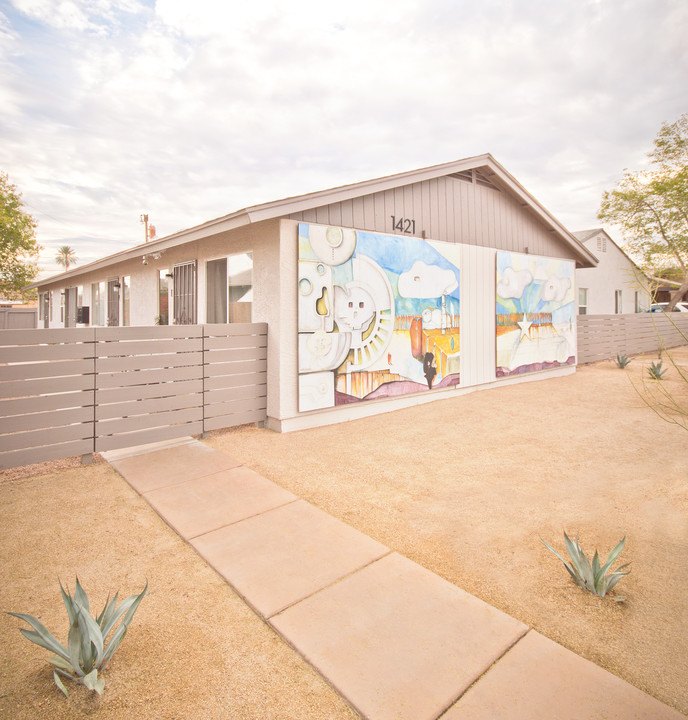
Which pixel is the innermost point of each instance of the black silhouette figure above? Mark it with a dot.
(429, 369)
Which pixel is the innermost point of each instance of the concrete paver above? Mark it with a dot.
(396, 640)
(207, 503)
(283, 555)
(170, 465)
(539, 678)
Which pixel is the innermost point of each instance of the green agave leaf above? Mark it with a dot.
(587, 573)
(100, 617)
(75, 643)
(91, 631)
(128, 606)
(574, 552)
(69, 603)
(42, 636)
(613, 555)
(568, 567)
(59, 683)
(117, 638)
(61, 663)
(614, 579)
(81, 597)
(93, 682)
(596, 566)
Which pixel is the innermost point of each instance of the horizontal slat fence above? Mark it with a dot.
(15, 318)
(75, 391)
(604, 336)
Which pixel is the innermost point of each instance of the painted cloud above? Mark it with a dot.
(513, 283)
(426, 281)
(555, 288)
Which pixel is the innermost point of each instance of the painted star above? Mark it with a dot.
(525, 326)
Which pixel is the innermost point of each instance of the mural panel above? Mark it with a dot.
(536, 315)
(378, 315)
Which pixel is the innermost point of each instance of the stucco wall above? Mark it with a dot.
(614, 272)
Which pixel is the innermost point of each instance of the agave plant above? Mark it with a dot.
(86, 652)
(655, 370)
(622, 361)
(593, 576)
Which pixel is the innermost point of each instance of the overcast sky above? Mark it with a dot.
(190, 109)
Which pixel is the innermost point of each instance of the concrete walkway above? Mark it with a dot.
(393, 639)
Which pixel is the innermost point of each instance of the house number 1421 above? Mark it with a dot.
(404, 225)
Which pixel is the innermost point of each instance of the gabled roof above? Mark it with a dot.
(585, 235)
(490, 172)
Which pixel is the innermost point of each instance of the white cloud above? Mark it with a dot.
(555, 288)
(426, 281)
(513, 283)
(188, 111)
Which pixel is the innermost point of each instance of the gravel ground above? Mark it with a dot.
(467, 486)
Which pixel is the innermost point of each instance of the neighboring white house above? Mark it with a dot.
(616, 285)
(395, 291)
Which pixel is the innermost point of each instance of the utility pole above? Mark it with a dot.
(144, 220)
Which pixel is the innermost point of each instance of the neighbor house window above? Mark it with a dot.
(229, 289)
(582, 301)
(126, 301)
(41, 303)
(62, 305)
(98, 303)
(618, 302)
(637, 302)
(164, 285)
(240, 287)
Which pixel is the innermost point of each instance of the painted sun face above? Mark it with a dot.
(353, 309)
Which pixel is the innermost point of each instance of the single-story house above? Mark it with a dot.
(377, 295)
(617, 285)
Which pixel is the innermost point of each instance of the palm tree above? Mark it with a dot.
(66, 256)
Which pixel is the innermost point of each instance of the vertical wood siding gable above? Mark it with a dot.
(446, 209)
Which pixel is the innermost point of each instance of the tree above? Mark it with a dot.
(651, 206)
(66, 256)
(18, 245)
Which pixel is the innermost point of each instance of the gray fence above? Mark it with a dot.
(603, 336)
(81, 390)
(15, 318)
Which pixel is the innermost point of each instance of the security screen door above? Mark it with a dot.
(184, 293)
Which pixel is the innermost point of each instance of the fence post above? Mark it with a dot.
(204, 434)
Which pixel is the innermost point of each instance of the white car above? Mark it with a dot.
(660, 307)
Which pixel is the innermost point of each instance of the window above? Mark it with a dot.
(216, 291)
(126, 300)
(113, 288)
(582, 301)
(98, 303)
(240, 286)
(62, 306)
(41, 304)
(229, 289)
(637, 302)
(164, 283)
(618, 302)
(184, 292)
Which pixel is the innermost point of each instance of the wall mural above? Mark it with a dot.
(378, 315)
(536, 315)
